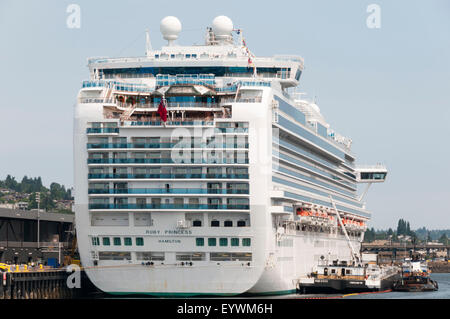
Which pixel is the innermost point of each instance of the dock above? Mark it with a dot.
(43, 284)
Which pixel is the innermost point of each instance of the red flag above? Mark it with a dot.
(162, 111)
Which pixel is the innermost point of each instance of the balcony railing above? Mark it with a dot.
(167, 206)
(166, 145)
(181, 160)
(169, 105)
(159, 176)
(91, 130)
(169, 123)
(168, 191)
(233, 129)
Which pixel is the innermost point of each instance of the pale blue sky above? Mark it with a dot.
(388, 89)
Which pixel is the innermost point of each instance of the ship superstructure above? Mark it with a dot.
(199, 171)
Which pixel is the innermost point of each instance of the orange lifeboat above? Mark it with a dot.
(302, 212)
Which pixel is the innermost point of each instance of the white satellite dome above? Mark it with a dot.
(170, 28)
(222, 27)
(315, 107)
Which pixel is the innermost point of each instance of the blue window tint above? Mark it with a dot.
(223, 242)
(127, 241)
(200, 241)
(212, 242)
(246, 241)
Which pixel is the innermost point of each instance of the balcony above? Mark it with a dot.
(104, 130)
(165, 161)
(160, 176)
(167, 206)
(186, 122)
(168, 191)
(175, 105)
(166, 145)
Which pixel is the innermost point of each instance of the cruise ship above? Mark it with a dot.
(203, 170)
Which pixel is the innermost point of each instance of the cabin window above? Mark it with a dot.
(127, 241)
(234, 241)
(197, 223)
(215, 223)
(228, 223)
(106, 241)
(139, 241)
(158, 256)
(117, 241)
(212, 242)
(95, 241)
(114, 255)
(246, 241)
(223, 241)
(200, 241)
(241, 223)
(190, 256)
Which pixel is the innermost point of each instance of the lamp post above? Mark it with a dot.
(38, 200)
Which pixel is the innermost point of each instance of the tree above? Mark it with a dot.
(444, 239)
(390, 232)
(401, 227)
(369, 235)
(11, 183)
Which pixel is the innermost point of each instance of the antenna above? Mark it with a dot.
(148, 44)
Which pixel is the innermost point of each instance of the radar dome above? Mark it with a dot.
(222, 27)
(170, 28)
(315, 107)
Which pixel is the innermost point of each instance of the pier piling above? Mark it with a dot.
(41, 284)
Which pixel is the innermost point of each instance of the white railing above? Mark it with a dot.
(371, 167)
(211, 56)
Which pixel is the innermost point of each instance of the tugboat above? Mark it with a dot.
(343, 276)
(415, 277)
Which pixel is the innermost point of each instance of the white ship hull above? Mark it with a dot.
(276, 277)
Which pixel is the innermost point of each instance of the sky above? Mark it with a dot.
(386, 88)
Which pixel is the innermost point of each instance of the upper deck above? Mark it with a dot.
(203, 78)
(224, 54)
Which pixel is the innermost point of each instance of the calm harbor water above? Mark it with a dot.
(443, 293)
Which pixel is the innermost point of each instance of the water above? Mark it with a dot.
(443, 292)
